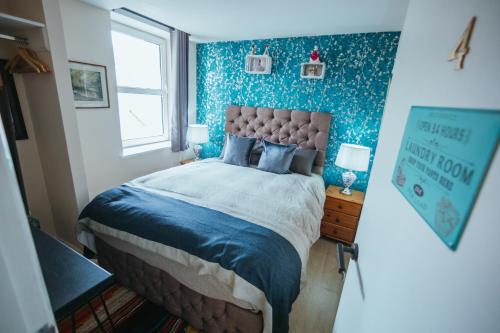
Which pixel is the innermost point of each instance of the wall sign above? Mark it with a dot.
(443, 158)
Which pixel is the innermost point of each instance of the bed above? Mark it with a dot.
(222, 246)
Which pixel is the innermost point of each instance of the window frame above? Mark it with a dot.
(162, 42)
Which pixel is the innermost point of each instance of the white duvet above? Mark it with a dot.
(291, 205)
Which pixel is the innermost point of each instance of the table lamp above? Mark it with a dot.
(197, 134)
(352, 157)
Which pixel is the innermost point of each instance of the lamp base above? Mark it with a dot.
(197, 151)
(348, 178)
(346, 191)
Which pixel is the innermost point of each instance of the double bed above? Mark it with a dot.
(223, 246)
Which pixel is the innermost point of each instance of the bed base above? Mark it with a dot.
(201, 312)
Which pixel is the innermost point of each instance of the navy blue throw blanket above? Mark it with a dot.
(259, 255)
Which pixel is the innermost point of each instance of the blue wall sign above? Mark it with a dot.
(443, 158)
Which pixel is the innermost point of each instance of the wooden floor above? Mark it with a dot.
(315, 309)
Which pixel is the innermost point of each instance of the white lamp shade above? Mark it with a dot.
(197, 133)
(353, 157)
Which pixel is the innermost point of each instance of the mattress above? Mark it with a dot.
(288, 205)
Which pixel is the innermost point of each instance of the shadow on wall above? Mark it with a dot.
(358, 70)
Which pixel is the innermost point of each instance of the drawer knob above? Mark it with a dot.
(339, 206)
(337, 220)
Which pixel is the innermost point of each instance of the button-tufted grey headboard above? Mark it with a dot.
(308, 130)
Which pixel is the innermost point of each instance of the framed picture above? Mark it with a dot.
(90, 85)
(258, 64)
(312, 70)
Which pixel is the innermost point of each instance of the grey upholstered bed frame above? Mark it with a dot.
(309, 130)
(202, 312)
(306, 129)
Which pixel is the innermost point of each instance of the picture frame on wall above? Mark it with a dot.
(258, 64)
(311, 70)
(89, 83)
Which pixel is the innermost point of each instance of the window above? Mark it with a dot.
(141, 76)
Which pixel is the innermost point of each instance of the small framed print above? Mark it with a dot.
(312, 70)
(258, 64)
(90, 85)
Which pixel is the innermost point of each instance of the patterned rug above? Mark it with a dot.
(130, 313)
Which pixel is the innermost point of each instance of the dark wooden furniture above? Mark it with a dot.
(341, 214)
(71, 279)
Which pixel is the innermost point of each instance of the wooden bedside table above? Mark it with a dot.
(341, 217)
(186, 161)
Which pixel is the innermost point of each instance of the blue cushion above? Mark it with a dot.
(303, 161)
(237, 150)
(276, 158)
(257, 150)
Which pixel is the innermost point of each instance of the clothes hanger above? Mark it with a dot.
(30, 54)
(26, 61)
(12, 62)
(21, 64)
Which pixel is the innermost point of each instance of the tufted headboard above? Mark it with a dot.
(308, 130)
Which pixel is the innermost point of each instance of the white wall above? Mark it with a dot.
(33, 177)
(72, 155)
(50, 100)
(407, 280)
(54, 148)
(31, 167)
(87, 31)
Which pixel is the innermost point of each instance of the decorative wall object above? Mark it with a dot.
(462, 48)
(314, 69)
(443, 158)
(90, 85)
(258, 64)
(353, 90)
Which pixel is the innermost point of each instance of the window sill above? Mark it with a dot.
(132, 151)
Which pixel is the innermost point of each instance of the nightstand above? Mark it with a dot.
(341, 214)
(186, 161)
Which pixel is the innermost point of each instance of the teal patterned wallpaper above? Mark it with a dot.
(358, 71)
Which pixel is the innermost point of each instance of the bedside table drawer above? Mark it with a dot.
(341, 219)
(337, 232)
(343, 206)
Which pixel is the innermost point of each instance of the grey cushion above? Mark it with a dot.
(257, 150)
(238, 150)
(309, 130)
(303, 161)
(276, 158)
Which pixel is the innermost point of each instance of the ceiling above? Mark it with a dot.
(209, 20)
